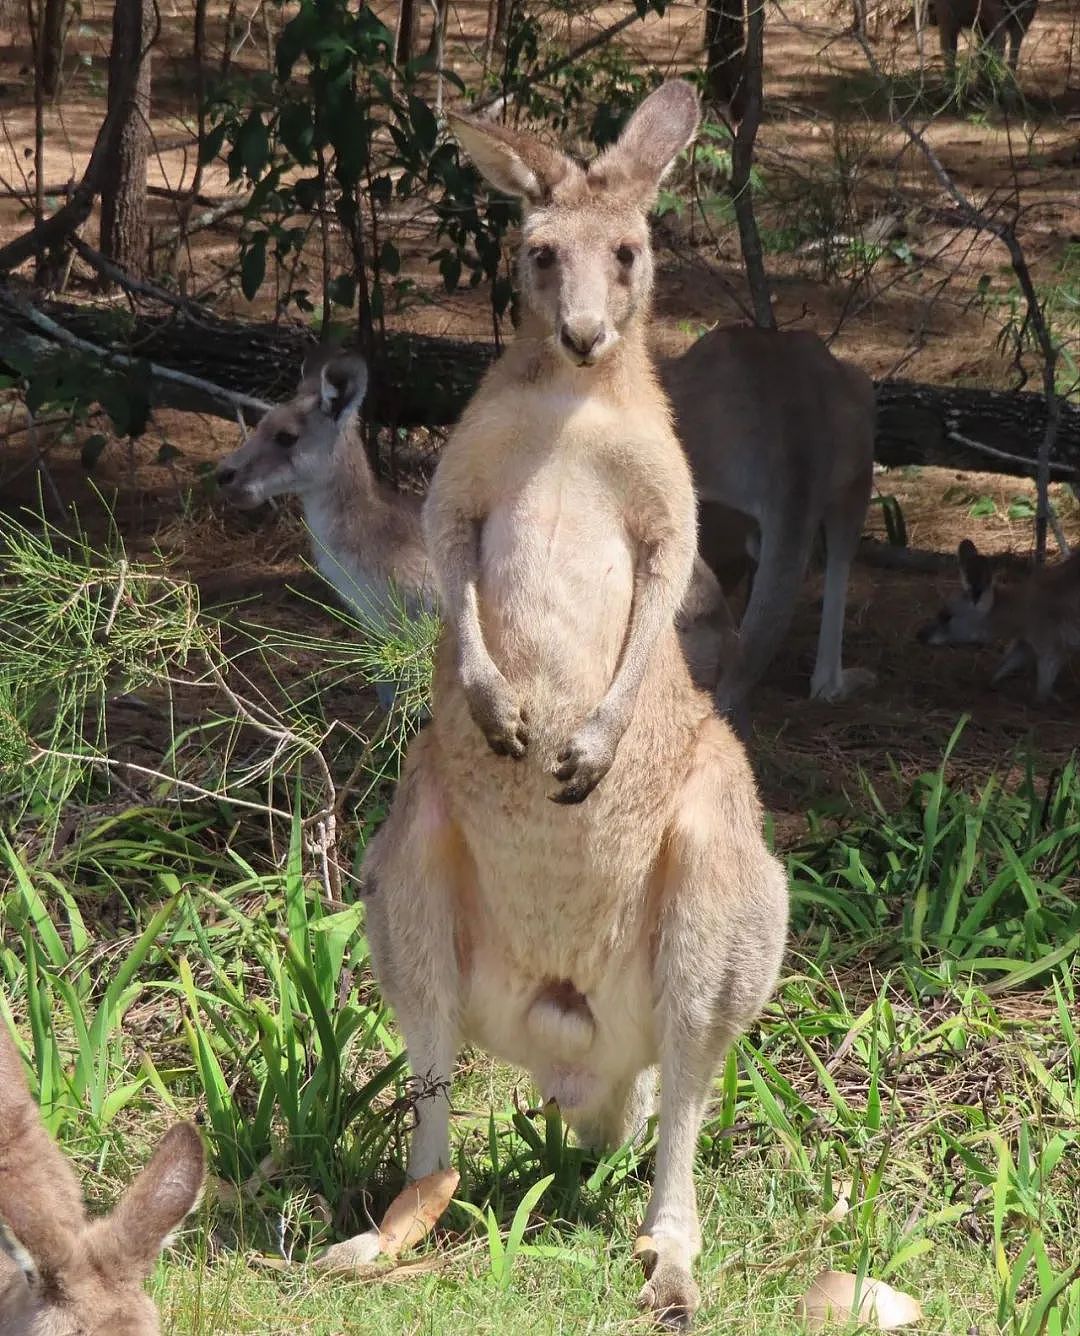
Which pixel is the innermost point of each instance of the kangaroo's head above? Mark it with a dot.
(586, 267)
(75, 1276)
(291, 450)
(966, 619)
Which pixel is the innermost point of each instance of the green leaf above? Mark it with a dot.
(91, 451)
(253, 265)
(253, 146)
(425, 126)
(342, 290)
(211, 144)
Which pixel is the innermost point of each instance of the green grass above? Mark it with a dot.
(168, 947)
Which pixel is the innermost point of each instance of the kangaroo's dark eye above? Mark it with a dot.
(286, 439)
(543, 256)
(626, 256)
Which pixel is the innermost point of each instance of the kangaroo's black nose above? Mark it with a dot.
(225, 476)
(580, 341)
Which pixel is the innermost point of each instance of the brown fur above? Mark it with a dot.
(994, 22)
(779, 460)
(638, 919)
(88, 1275)
(1040, 619)
(366, 536)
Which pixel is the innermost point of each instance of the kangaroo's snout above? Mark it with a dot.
(582, 339)
(225, 476)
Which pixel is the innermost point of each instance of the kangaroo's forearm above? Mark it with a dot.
(655, 603)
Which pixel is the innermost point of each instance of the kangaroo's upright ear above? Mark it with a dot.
(343, 382)
(517, 163)
(40, 1197)
(976, 575)
(653, 138)
(128, 1241)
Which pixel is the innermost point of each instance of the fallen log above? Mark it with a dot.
(424, 380)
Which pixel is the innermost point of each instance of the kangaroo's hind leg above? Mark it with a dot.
(414, 873)
(722, 923)
(843, 528)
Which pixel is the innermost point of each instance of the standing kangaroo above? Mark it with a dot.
(990, 21)
(780, 434)
(87, 1275)
(572, 874)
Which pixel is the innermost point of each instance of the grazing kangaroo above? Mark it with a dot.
(780, 431)
(1039, 618)
(990, 21)
(572, 874)
(87, 1275)
(367, 537)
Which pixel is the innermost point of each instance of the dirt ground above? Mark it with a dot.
(913, 316)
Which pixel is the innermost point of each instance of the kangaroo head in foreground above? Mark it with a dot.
(586, 266)
(289, 452)
(87, 1277)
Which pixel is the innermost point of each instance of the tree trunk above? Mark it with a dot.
(53, 29)
(742, 160)
(498, 18)
(405, 42)
(123, 198)
(725, 38)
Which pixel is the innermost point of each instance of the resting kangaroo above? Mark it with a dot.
(87, 1275)
(1040, 619)
(367, 537)
(781, 432)
(572, 874)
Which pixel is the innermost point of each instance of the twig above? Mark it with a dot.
(1064, 471)
(495, 102)
(227, 209)
(39, 462)
(124, 280)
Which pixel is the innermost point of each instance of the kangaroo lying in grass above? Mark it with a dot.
(572, 874)
(366, 536)
(1040, 618)
(88, 1276)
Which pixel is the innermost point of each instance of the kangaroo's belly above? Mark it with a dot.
(556, 583)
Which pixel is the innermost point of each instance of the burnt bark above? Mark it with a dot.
(52, 33)
(725, 38)
(749, 102)
(408, 21)
(124, 238)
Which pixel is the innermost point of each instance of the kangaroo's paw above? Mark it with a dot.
(499, 715)
(585, 760)
(845, 684)
(669, 1290)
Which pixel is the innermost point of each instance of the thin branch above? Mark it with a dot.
(496, 102)
(220, 397)
(742, 160)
